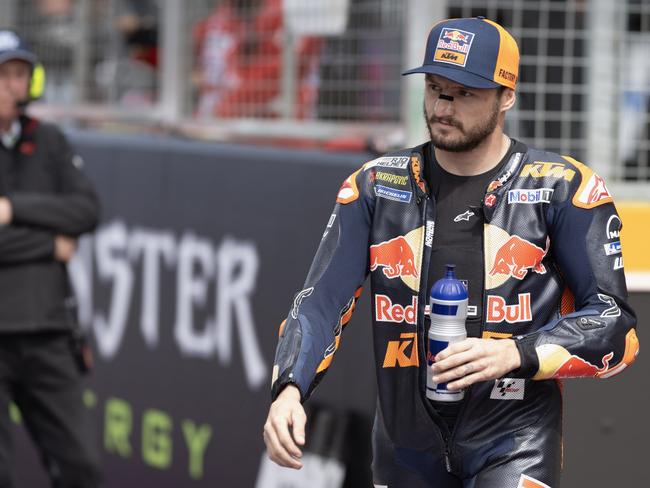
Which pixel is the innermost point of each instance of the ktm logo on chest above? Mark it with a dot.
(402, 353)
(540, 169)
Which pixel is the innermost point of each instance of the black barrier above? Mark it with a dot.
(183, 286)
(200, 250)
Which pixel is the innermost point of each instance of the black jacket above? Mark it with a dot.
(554, 283)
(49, 196)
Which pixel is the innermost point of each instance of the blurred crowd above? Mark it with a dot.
(237, 57)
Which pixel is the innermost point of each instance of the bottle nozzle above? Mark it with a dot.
(450, 271)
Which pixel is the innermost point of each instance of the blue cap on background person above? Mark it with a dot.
(13, 47)
(475, 52)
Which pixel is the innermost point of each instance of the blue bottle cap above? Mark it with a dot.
(449, 288)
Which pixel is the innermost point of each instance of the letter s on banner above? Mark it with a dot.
(112, 265)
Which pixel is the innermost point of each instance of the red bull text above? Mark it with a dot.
(455, 40)
(498, 310)
(386, 311)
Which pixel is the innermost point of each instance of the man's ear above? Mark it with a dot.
(508, 99)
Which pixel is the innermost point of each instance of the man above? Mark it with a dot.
(535, 235)
(46, 203)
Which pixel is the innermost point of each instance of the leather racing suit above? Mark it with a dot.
(554, 282)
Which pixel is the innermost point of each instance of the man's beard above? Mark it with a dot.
(472, 137)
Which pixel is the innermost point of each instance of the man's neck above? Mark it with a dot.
(10, 136)
(6, 124)
(479, 160)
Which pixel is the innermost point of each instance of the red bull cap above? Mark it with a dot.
(475, 52)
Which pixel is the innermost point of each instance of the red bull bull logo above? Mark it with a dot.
(455, 35)
(575, 366)
(516, 257)
(498, 310)
(395, 257)
(386, 311)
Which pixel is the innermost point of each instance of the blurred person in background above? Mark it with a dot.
(537, 238)
(239, 62)
(128, 71)
(54, 34)
(46, 203)
(137, 75)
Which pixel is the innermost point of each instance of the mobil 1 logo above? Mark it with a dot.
(532, 195)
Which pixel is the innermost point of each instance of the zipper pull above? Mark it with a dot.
(447, 460)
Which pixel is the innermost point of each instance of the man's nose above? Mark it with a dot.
(444, 105)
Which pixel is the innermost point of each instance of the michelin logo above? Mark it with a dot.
(539, 195)
(393, 194)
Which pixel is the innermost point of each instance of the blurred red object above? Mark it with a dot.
(239, 62)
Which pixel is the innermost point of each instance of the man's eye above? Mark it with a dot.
(465, 94)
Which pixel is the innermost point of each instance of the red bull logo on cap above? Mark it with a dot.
(453, 46)
(516, 257)
(455, 36)
(395, 256)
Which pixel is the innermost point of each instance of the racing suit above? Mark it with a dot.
(554, 283)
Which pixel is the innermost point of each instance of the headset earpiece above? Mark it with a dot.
(37, 83)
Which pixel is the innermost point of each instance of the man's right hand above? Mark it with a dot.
(64, 248)
(284, 429)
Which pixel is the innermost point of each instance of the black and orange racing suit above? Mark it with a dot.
(554, 282)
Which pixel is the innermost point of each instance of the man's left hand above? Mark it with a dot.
(6, 213)
(472, 360)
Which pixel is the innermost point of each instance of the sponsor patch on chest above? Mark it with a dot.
(508, 389)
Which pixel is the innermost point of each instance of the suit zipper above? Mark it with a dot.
(424, 273)
(468, 390)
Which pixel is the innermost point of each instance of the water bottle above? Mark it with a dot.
(448, 303)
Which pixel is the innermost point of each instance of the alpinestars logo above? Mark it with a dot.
(464, 216)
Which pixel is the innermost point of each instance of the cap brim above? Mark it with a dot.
(459, 76)
(19, 55)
